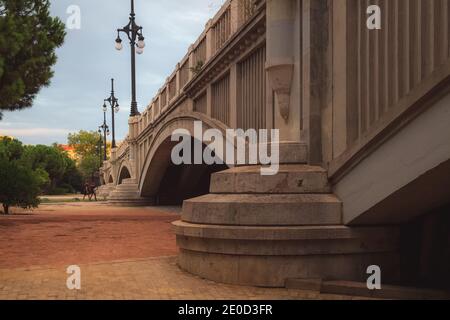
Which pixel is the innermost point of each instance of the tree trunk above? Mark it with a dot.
(6, 209)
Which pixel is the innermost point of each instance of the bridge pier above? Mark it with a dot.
(262, 230)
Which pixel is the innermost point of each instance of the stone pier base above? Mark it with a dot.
(262, 230)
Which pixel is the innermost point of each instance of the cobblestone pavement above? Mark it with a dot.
(124, 253)
(149, 279)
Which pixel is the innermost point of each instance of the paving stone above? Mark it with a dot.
(123, 253)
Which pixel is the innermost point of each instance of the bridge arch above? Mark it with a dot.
(159, 175)
(124, 173)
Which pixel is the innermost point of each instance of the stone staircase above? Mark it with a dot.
(104, 191)
(262, 230)
(128, 194)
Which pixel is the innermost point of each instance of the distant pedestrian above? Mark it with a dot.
(92, 191)
(86, 190)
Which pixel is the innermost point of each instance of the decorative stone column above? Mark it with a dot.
(283, 70)
(133, 123)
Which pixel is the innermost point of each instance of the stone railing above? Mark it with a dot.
(380, 75)
(122, 148)
(232, 15)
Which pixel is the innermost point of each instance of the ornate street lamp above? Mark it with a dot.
(99, 148)
(137, 44)
(114, 104)
(105, 129)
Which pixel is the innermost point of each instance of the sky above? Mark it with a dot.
(88, 60)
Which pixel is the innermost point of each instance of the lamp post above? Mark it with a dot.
(105, 129)
(99, 148)
(133, 32)
(114, 103)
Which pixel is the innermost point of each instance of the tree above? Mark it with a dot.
(84, 142)
(52, 159)
(72, 177)
(29, 37)
(64, 176)
(89, 165)
(86, 145)
(20, 185)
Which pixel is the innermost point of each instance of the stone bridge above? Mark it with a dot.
(363, 117)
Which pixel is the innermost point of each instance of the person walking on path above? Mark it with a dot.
(86, 191)
(92, 191)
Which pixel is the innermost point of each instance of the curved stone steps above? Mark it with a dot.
(128, 194)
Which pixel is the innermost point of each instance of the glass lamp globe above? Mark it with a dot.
(105, 108)
(117, 108)
(139, 50)
(141, 43)
(119, 44)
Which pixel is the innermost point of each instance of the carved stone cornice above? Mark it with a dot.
(280, 79)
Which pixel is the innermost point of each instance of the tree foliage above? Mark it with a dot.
(61, 169)
(20, 185)
(50, 159)
(84, 142)
(87, 147)
(29, 37)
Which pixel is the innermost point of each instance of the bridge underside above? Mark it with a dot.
(170, 184)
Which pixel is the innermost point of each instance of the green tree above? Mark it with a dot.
(84, 142)
(29, 37)
(64, 176)
(72, 179)
(50, 159)
(86, 146)
(20, 185)
(89, 166)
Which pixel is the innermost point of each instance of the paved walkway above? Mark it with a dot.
(155, 278)
(123, 253)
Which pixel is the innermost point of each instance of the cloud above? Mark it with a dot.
(34, 132)
(87, 61)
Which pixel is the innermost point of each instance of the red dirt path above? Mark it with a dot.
(61, 235)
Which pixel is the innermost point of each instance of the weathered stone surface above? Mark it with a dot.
(268, 255)
(272, 271)
(287, 247)
(289, 179)
(264, 209)
(104, 191)
(281, 233)
(128, 194)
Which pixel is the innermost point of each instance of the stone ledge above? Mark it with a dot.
(259, 210)
(289, 179)
(288, 247)
(280, 233)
